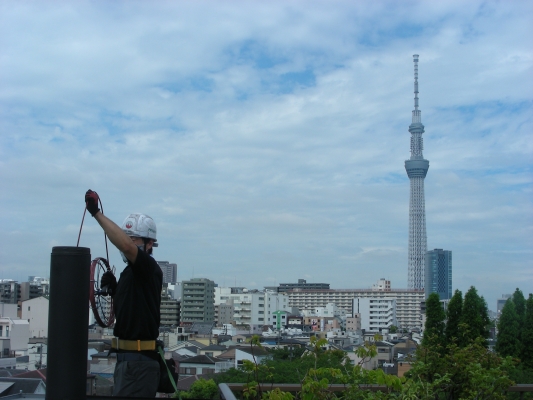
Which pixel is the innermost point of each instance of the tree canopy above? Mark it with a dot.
(435, 316)
(527, 334)
(453, 316)
(474, 320)
(508, 338)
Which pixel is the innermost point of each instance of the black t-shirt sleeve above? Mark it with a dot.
(144, 265)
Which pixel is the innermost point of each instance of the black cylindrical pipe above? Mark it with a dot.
(68, 319)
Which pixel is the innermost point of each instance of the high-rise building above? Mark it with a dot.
(416, 168)
(198, 301)
(170, 272)
(9, 291)
(438, 273)
(501, 302)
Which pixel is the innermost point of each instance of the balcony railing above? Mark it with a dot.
(226, 389)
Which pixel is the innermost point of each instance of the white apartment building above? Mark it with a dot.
(376, 314)
(408, 301)
(35, 311)
(251, 307)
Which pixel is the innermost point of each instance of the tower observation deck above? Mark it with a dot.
(416, 168)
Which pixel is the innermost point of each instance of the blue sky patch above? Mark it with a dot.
(194, 83)
(376, 38)
(252, 52)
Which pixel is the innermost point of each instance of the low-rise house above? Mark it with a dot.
(385, 352)
(351, 353)
(404, 347)
(189, 347)
(13, 385)
(200, 364)
(213, 350)
(253, 354)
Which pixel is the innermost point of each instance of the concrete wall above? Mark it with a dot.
(8, 310)
(35, 311)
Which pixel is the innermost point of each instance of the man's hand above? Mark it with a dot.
(91, 201)
(108, 282)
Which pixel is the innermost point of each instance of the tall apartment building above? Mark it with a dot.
(30, 290)
(438, 273)
(376, 314)
(198, 301)
(170, 312)
(408, 301)
(170, 272)
(9, 291)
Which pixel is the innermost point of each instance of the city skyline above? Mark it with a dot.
(267, 139)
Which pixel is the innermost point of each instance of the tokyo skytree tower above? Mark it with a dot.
(417, 168)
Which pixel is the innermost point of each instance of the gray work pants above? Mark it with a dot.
(136, 376)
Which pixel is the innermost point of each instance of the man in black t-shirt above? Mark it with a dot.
(136, 302)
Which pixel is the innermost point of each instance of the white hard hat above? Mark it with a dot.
(140, 225)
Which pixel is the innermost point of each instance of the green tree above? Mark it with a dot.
(453, 316)
(474, 318)
(434, 327)
(508, 338)
(527, 335)
(520, 305)
(201, 389)
(469, 372)
(278, 369)
(487, 323)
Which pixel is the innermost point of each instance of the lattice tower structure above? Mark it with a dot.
(416, 168)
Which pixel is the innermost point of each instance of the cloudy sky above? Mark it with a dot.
(268, 139)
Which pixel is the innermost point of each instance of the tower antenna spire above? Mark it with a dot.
(417, 114)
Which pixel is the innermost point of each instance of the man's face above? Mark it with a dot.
(140, 242)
